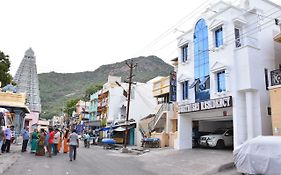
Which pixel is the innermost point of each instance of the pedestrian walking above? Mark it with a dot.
(34, 140)
(73, 145)
(46, 140)
(65, 141)
(25, 138)
(40, 151)
(86, 140)
(13, 134)
(50, 141)
(60, 141)
(8, 136)
(2, 137)
(56, 141)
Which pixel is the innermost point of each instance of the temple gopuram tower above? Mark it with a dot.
(27, 81)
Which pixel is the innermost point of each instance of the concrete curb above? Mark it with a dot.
(226, 166)
(221, 168)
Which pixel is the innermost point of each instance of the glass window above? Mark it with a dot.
(237, 37)
(218, 37)
(201, 60)
(184, 53)
(221, 81)
(185, 90)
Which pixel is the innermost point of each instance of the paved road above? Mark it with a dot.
(96, 160)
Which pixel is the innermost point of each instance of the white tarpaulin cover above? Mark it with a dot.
(261, 155)
(119, 129)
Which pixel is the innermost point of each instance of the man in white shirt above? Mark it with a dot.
(73, 144)
(13, 134)
(56, 141)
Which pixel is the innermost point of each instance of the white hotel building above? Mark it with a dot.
(222, 68)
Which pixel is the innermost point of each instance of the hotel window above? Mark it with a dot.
(237, 34)
(221, 81)
(185, 90)
(184, 53)
(201, 61)
(218, 37)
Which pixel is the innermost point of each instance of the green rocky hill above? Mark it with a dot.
(57, 88)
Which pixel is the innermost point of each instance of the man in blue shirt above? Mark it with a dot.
(25, 138)
(7, 144)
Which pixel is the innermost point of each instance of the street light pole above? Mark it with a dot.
(131, 65)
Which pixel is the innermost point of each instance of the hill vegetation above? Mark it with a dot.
(57, 88)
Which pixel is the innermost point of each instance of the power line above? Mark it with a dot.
(231, 36)
(232, 40)
(183, 21)
(160, 37)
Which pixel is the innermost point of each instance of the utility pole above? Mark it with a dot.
(131, 65)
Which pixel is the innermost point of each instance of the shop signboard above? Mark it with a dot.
(173, 86)
(206, 105)
(275, 76)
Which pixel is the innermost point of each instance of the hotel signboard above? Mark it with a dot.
(206, 105)
(173, 86)
(275, 77)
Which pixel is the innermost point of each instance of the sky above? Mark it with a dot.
(80, 35)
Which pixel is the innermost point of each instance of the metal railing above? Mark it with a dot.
(165, 107)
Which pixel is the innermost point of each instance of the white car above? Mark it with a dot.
(219, 139)
(260, 155)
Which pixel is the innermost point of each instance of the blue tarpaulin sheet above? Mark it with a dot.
(108, 141)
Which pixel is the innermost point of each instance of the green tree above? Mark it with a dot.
(90, 90)
(70, 107)
(5, 76)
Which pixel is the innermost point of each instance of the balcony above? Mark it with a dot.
(161, 87)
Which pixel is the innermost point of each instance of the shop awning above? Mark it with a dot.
(93, 123)
(123, 125)
(120, 129)
(106, 128)
(22, 107)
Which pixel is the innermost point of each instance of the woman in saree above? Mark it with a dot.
(65, 141)
(40, 151)
(60, 141)
(34, 138)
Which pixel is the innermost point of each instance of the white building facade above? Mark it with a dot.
(115, 99)
(221, 70)
(142, 104)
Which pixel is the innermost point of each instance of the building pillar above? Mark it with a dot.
(184, 138)
(169, 124)
(250, 115)
(239, 119)
(227, 85)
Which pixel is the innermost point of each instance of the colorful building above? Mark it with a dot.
(93, 108)
(164, 124)
(15, 103)
(94, 123)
